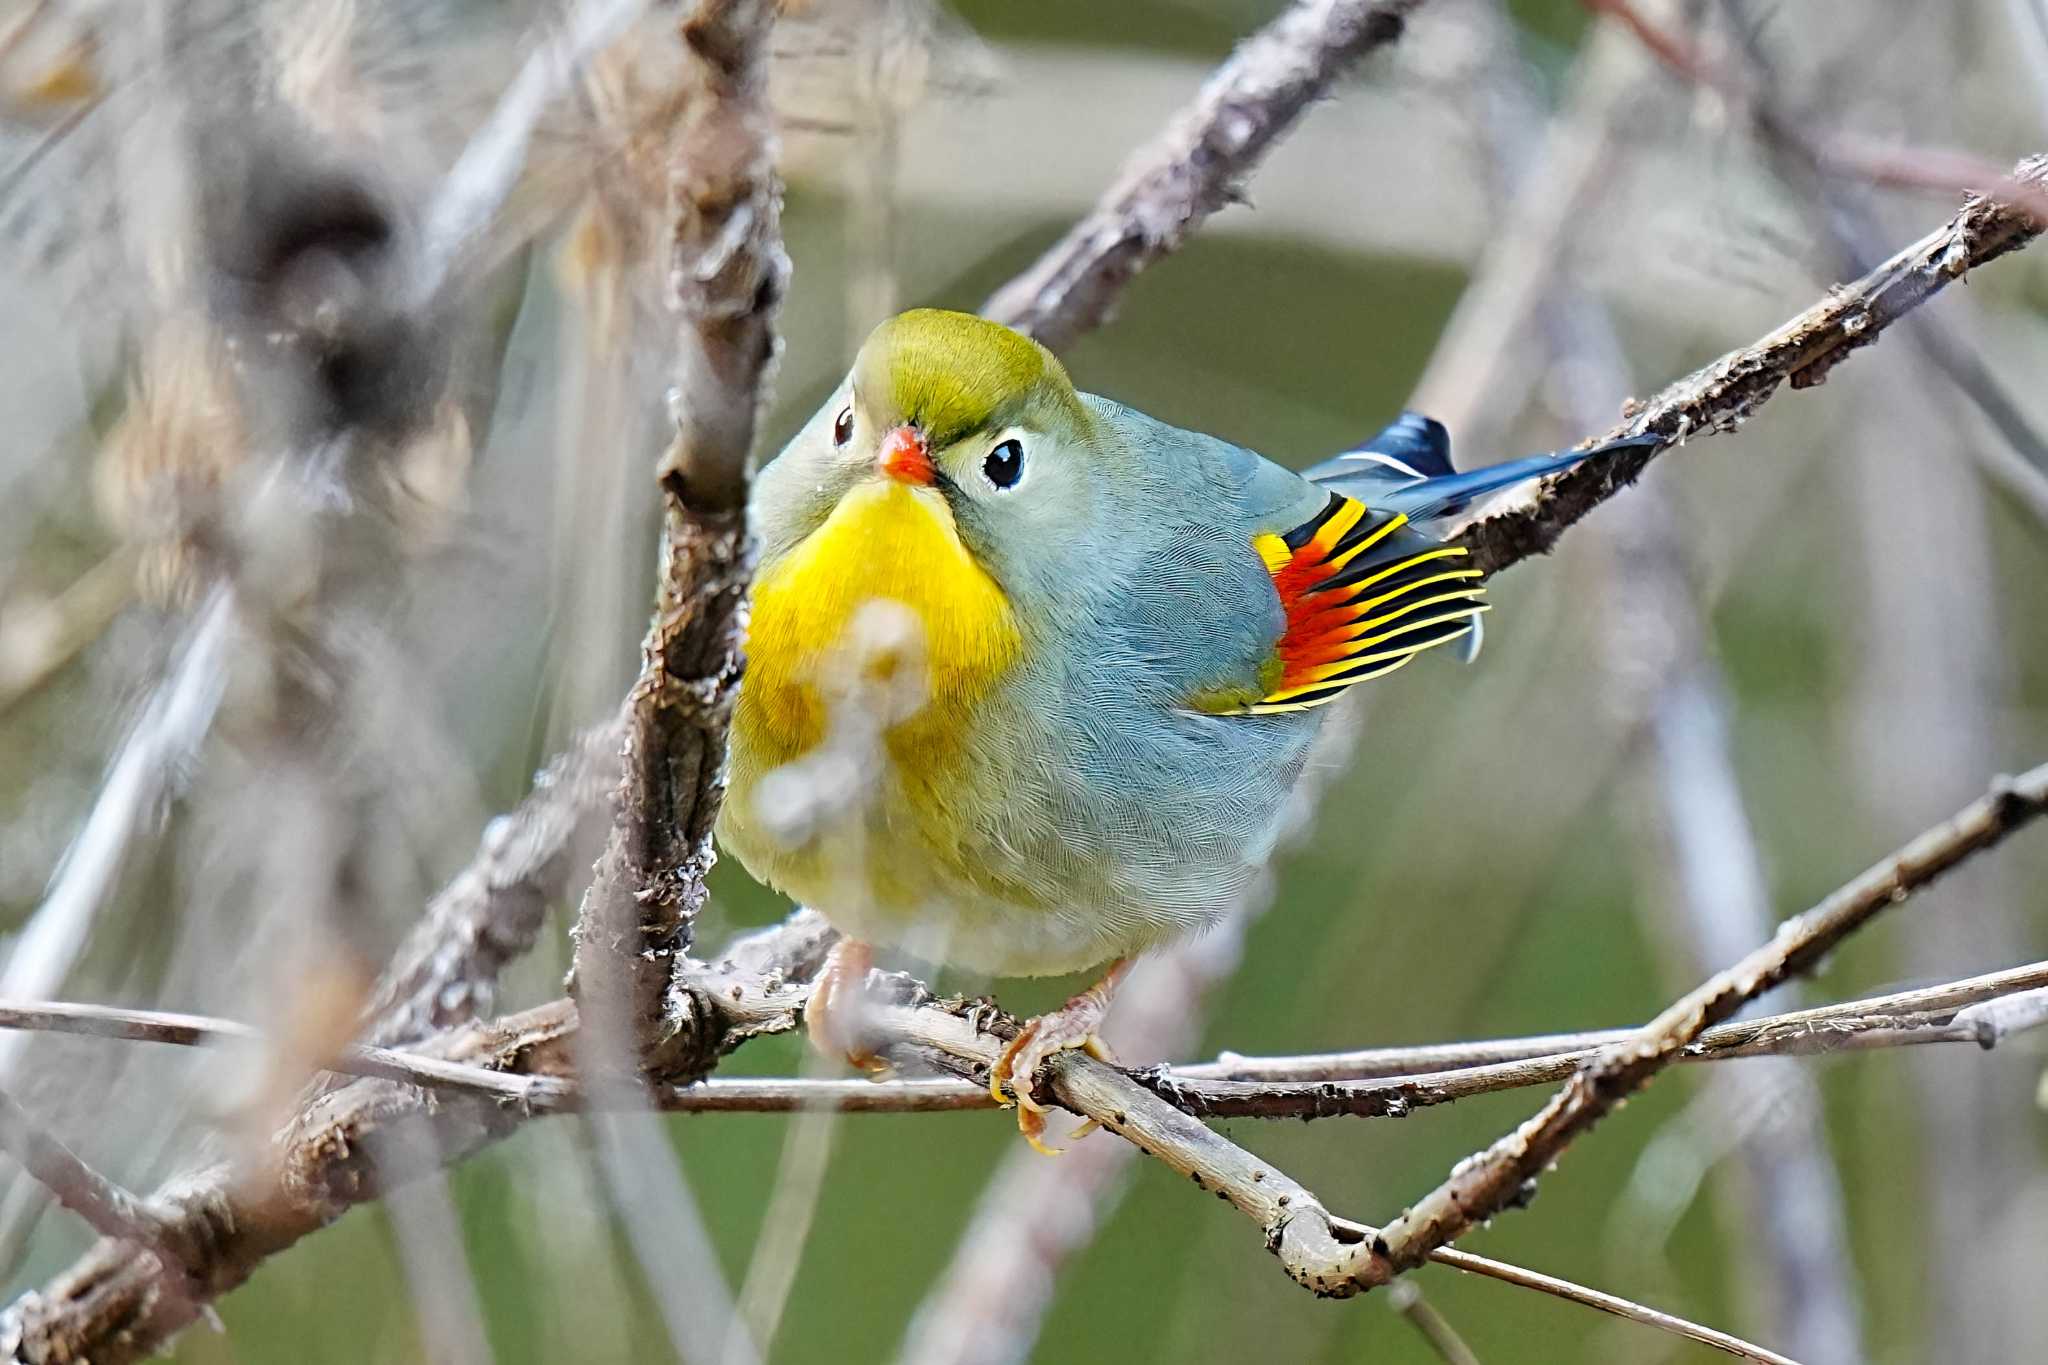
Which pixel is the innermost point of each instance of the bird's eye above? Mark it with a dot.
(842, 428)
(1005, 464)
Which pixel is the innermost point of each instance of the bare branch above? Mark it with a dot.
(1495, 1179)
(728, 273)
(1980, 1010)
(1309, 1242)
(326, 1165)
(1194, 167)
(112, 1305)
(1722, 396)
(1601, 1301)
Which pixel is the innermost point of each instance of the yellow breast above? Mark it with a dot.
(817, 641)
(884, 542)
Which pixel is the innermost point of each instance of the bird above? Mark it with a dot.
(1029, 674)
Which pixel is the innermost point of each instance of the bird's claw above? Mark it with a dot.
(1016, 1070)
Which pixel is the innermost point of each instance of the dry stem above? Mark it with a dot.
(1194, 166)
(1497, 1178)
(1723, 395)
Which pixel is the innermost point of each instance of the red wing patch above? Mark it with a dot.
(1363, 594)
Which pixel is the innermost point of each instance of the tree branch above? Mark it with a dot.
(1170, 187)
(1499, 1177)
(1373, 1083)
(728, 273)
(1309, 1242)
(326, 1161)
(113, 1305)
(1722, 396)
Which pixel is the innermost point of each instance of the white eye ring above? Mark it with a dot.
(842, 426)
(1004, 464)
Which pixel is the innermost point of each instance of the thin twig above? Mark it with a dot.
(1604, 1302)
(1311, 1085)
(1723, 395)
(1498, 1177)
(1193, 168)
(1308, 1241)
(1810, 1030)
(153, 760)
(476, 187)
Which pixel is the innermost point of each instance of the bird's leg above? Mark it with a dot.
(833, 1016)
(1072, 1025)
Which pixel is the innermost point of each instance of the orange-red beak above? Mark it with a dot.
(905, 456)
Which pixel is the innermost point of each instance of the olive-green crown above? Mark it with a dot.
(955, 373)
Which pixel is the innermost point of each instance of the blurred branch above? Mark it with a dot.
(491, 913)
(1478, 377)
(1498, 1178)
(109, 1209)
(1747, 85)
(476, 187)
(37, 639)
(1431, 1326)
(1918, 168)
(1194, 167)
(1723, 395)
(152, 762)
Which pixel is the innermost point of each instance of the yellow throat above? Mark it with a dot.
(885, 540)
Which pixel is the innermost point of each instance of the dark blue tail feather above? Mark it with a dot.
(1416, 442)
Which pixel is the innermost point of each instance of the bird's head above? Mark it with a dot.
(962, 418)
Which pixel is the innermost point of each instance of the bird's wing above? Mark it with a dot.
(1277, 592)
(1362, 593)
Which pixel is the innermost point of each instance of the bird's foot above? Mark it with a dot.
(835, 1017)
(1072, 1025)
